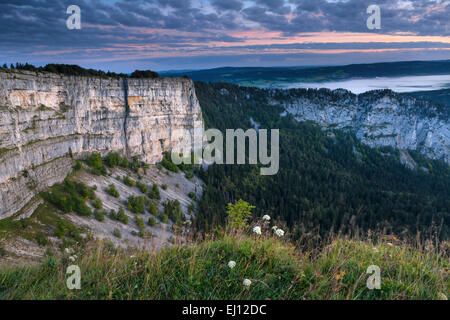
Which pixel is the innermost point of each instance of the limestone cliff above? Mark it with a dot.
(378, 118)
(47, 118)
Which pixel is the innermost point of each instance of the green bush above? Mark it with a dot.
(136, 204)
(191, 208)
(65, 229)
(164, 186)
(124, 163)
(142, 187)
(154, 193)
(140, 223)
(192, 195)
(41, 239)
(189, 174)
(120, 216)
(95, 162)
(239, 214)
(70, 196)
(172, 209)
(151, 222)
(153, 209)
(97, 203)
(112, 159)
(78, 166)
(99, 215)
(168, 164)
(164, 218)
(117, 233)
(128, 181)
(112, 191)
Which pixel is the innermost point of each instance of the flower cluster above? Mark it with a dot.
(258, 231)
(69, 251)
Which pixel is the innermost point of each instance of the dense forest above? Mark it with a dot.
(326, 182)
(75, 70)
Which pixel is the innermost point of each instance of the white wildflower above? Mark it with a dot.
(390, 244)
(67, 250)
(375, 249)
(279, 232)
(72, 258)
(231, 264)
(247, 282)
(274, 228)
(442, 296)
(266, 217)
(257, 230)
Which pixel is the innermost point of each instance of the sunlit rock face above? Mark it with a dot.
(45, 119)
(378, 118)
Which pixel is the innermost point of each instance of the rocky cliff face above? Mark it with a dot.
(45, 119)
(378, 118)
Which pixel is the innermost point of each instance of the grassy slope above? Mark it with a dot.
(276, 268)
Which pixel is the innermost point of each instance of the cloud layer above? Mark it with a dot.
(164, 34)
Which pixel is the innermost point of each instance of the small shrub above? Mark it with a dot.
(172, 209)
(189, 175)
(66, 229)
(120, 216)
(70, 197)
(95, 162)
(100, 215)
(168, 164)
(239, 213)
(164, 218)
(142, 187)
(191, 208)
(97, 203)
(112, 191)
(164, 186)
(151, 222)
(192, 195)
(154, 193)
(153, 209)
(113, 159)
(41, 239)
(136, 204)
(140, 223)
(128, 181)
(117, 233)
(78, 166)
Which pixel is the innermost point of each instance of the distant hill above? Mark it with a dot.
(442, 96)
(280, 76)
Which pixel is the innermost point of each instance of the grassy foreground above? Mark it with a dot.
(276, 269)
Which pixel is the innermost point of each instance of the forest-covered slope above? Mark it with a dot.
(328, 179)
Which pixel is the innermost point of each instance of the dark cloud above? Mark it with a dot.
(235, 5)
(35, 30)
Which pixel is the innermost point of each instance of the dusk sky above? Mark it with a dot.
(125, 35)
